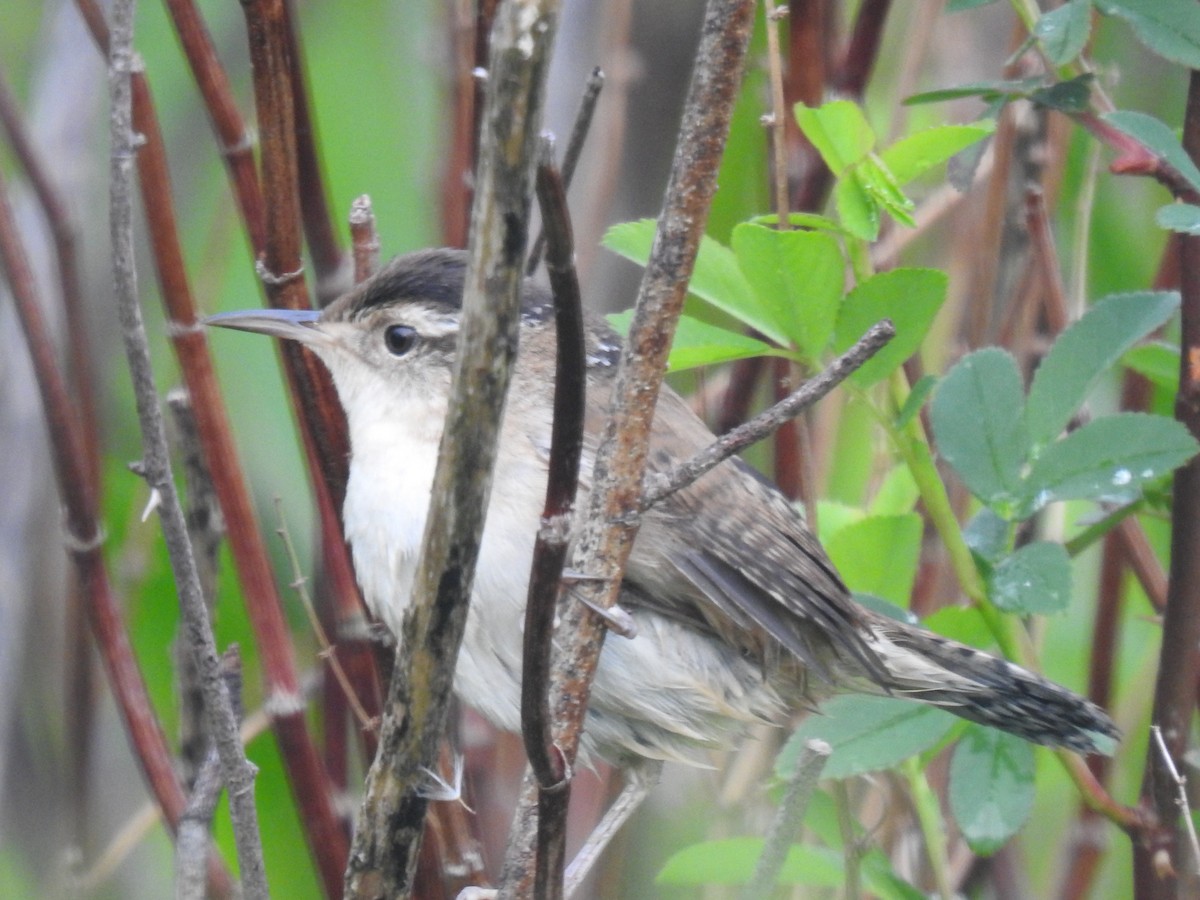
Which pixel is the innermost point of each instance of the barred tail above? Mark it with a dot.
(988, 690)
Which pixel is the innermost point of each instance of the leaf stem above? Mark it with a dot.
(933, 828)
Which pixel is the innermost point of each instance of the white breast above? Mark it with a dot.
(387, 502)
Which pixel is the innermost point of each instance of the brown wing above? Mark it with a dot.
(732, 553)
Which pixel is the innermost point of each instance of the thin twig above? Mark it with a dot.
(206, 531)
(384, 855)
(237, 771)
(328, 652)
(191, 847)
(1185, 812)
(329, 260)
(776, 121)
(579, 133)
(662, 485)
(788, 819)
(550, 549)
(364, 239)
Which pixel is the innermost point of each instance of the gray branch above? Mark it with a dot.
(663, 484)
(788, 819)
(237, 772)
(383, 856)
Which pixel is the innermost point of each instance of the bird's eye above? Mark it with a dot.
(399, 339)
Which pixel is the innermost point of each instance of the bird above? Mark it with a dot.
(740, 616)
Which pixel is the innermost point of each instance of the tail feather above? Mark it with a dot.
(989, 690)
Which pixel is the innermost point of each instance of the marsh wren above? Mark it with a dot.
(741, 617)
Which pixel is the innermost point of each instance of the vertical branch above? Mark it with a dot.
(85, 540)
(236, 142)
(550, 549)
(309, 783)
(1158, 860)
(606, 537)
(776, 121)
(80, 683)
(237, 772)
(364, 239)
(327, 255)
(384, 854)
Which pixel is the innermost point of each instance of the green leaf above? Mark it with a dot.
(886, 608)
(1157, 362)
(809, 221)
(1108, 459)
(858, 212)
(978, 418)
(1181, 217)
(987, 535)
(1035, 580)
(963, 624)
(991, 787)
(1171, 28)
(882, 880)
(1066, 96)
(1064, 31)
(731, 861)
(867, 734)
(911, 298)
(881, 186)
(832, 517)
(911, 156)
(716, 278)
(987, 91)
(839, 131)
(698, 343)
(878, 555)
(1156, 137)
(797, 277)
(960, 5)
(1085, 351)
(897, 494)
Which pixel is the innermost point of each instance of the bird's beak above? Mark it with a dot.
(292, 324)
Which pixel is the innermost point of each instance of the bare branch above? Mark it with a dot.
(606, 537)
(384, 855)
(237, 771)
(661, 486)
(579, 133)
(788, 819)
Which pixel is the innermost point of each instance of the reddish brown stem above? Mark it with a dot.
(85, 541)
(236, 143)
(323, 245)
(80, 686)
(308, 778)
(1159, 859)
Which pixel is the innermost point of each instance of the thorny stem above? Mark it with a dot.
(328, 650)
(238, 773)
